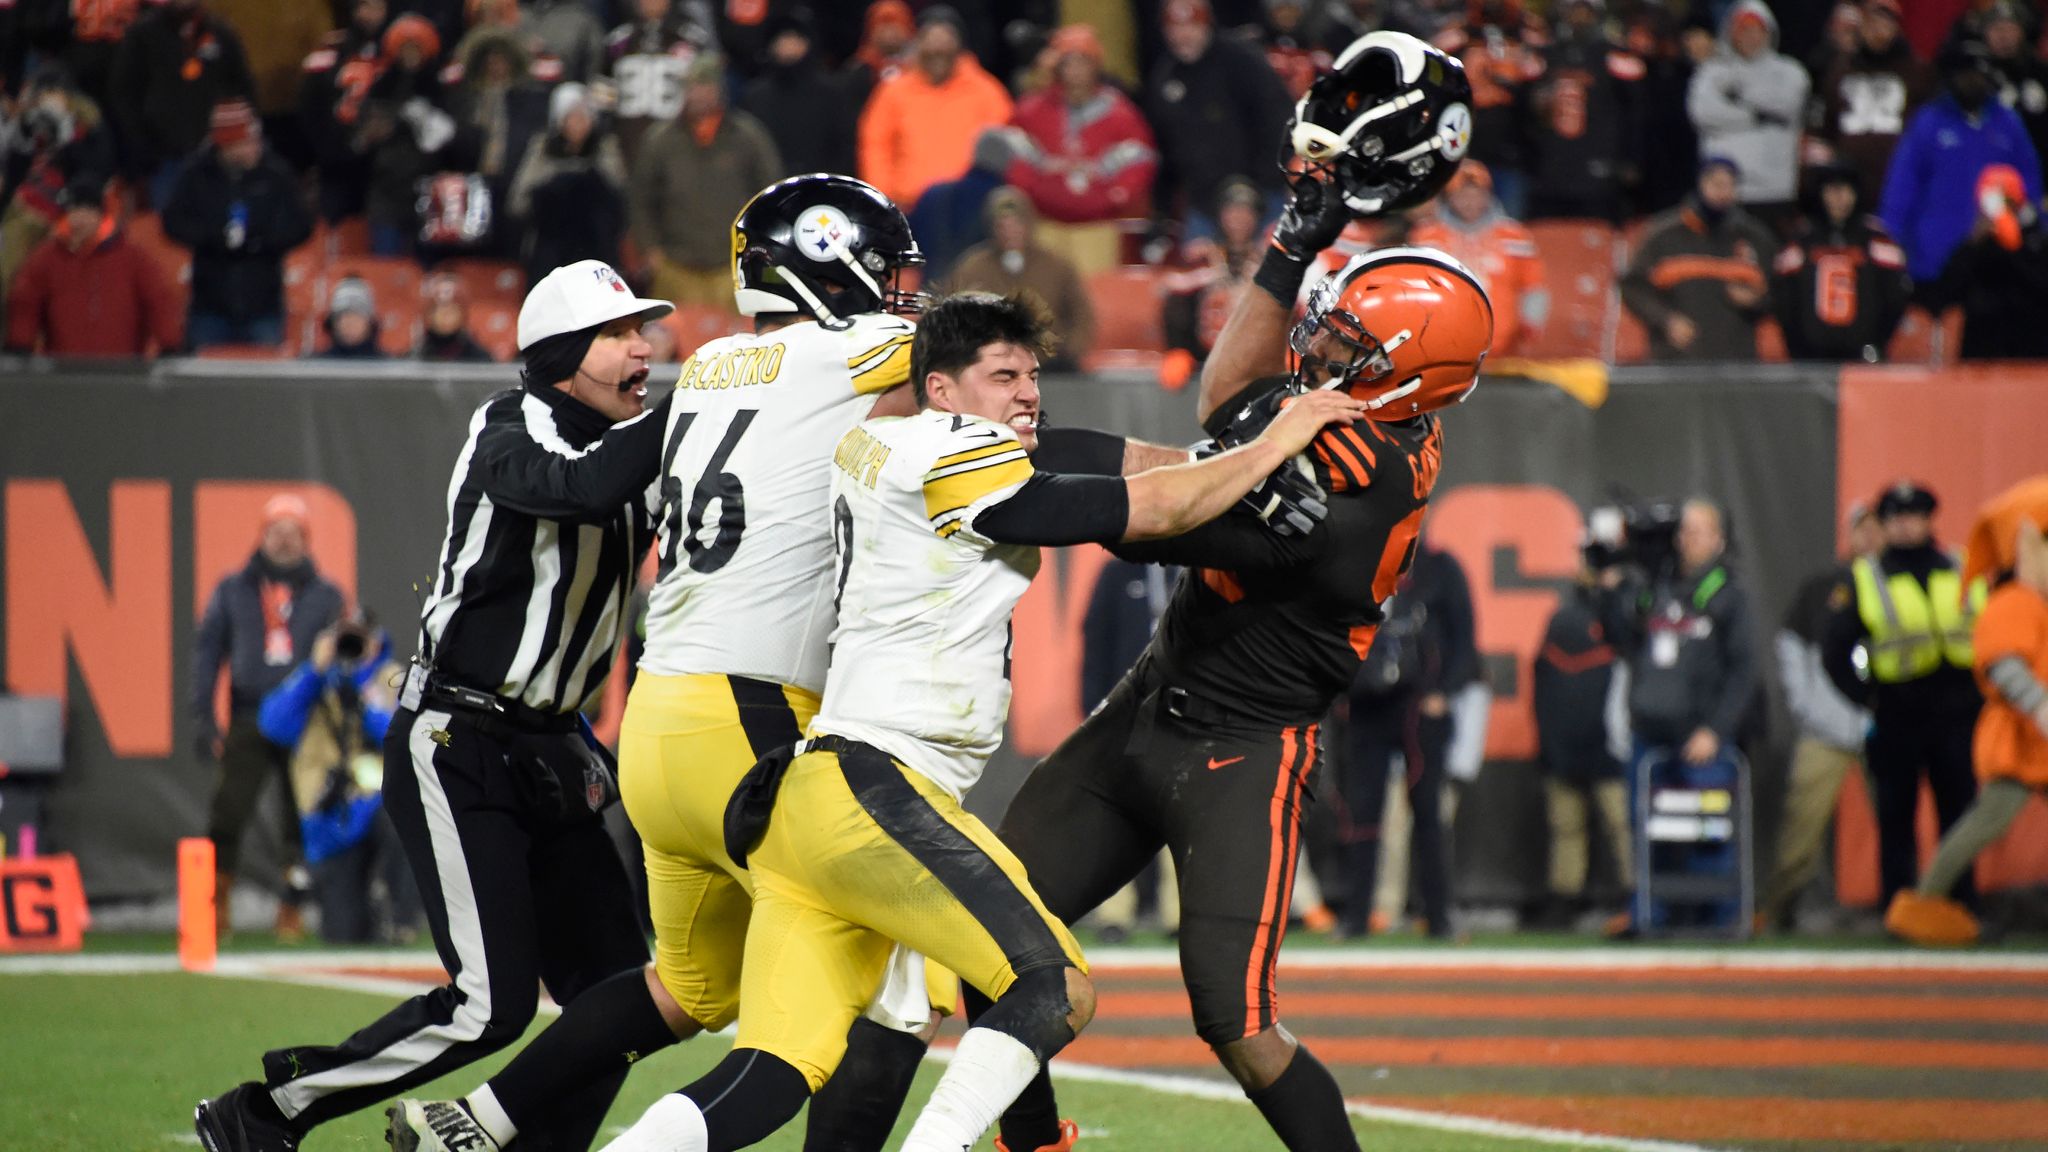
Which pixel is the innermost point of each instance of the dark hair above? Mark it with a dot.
(952, 332)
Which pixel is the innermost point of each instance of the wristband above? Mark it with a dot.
(1280, 276)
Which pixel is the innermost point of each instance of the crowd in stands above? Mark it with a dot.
(1661, 179)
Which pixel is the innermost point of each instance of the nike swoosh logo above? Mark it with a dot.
(988, 432)
(1214, 763)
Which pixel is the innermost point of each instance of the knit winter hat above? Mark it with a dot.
(234, 122)
(352, 294)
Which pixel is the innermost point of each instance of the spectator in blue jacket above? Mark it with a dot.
(1930, 191)
(951, 217)
(332, 712)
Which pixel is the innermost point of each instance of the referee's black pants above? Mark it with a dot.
(521, 887)
(1905, 742)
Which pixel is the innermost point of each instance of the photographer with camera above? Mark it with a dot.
(260, 622)
(332, 712)
(1675, 611)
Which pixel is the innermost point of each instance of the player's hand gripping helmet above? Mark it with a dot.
(1390, 122)
(1404, 329)
(829, 246)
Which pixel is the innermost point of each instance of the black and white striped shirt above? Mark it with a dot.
(550, 510)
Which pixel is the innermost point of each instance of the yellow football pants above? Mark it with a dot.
(684, 743)
(862, 852)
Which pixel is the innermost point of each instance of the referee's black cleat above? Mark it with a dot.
(241, 1120)
(435, 1126)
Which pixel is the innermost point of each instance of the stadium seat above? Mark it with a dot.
(1578, 270)
(1913, 340)
(1129, 313)
(1770, 343)
(695, 325)
(1631, 339)
(497, 281)
(495, 325)
(305, 292)
(350, 237)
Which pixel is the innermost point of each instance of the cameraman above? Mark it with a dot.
(1684, 626)
(332, 712)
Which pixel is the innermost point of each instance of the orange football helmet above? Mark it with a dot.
(1417, 326)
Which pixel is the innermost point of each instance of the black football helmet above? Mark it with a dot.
(1389, 123)
(830, 246)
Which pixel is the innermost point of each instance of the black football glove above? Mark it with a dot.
(1290, 501)
(1313, 219)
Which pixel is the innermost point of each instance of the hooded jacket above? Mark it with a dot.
(1930, 192)
(1095, 162)
(1751, 111)
(915, 133)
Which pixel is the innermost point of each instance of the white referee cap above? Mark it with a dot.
(582, 295)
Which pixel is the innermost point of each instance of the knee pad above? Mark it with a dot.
(1034, 1012)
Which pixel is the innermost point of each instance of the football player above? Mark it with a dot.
(736, 649)
(856, 836)
(1207, 744)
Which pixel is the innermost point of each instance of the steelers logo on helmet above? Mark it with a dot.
(1388, 124)
(1454, 133)
(823, 232)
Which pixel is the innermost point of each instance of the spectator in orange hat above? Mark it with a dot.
(259, 623)
(2010, 750)
(444, 330)
(334, 80)
(86, 291)
(920, 125)
(238, 207)
(1091, 156)
(886, 37)
(1470, 224)
(406, 132)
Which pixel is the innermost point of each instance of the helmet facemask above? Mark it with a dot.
(878, 284)
(1366, 358)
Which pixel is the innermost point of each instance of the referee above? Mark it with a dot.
(494, 783)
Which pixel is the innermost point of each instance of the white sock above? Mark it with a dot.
(490, 1115)
(670, 1124)
(989, 1071)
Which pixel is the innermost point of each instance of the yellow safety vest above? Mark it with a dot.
(1913, 629)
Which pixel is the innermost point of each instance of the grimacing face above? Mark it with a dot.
(1001, 385)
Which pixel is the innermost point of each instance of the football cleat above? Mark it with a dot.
(235, 1122)
(435, 1126)
(1070, 1132)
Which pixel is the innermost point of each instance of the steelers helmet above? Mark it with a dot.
(828, 246)
(1408, 330)
(1389, 123)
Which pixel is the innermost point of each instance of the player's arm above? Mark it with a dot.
(1053, 509)
(1088, 452)
(1253, 344)
(878, 364)
(519, 472)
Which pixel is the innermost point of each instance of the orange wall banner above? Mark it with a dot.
(1969, 433)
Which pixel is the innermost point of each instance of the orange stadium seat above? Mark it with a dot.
(1913, 340)
(498, 281)
(696, 325)
(1129, 311)
(1770, 343)
(1578, 270)
(350, 237)
(305, 292)
(495, 325)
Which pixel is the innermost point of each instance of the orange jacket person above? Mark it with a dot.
(1471, 225)
(920, 124)
(2011, 747)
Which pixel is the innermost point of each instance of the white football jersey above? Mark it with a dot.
(745, 532)
(921, 656)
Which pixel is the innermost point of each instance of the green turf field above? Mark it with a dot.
(92, 1063)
